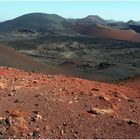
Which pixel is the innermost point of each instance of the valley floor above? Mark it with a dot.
(55, 106)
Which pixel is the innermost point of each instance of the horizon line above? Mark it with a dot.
(69, 17)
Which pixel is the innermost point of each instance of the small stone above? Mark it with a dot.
(97, 111)
(16, 101)
(130, 100)
(101, 97)
(53, 131)
(62, 132)
(30, 134)
(34, 81)
(36, 105)
(70, 102)
(33, 119)
(60, 89)
(38, 117)
(46, 99)
(130, 122)
(64, 124)
(45, 119)
(75, 135)
(9, 120)
(36, 112)
(2, 121)
(36, 133)
(11, 94)
(95, 89)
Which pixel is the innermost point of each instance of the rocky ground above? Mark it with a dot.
(55, 106)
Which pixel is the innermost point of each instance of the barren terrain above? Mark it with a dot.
(84, 57)
(55, 106)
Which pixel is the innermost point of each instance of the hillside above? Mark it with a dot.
(91, 19)
(107, 32)
(9, 57)
(33, 21)
(88, 26)
(46, 106)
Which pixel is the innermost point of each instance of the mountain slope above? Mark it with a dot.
(107, 32)
(33, 21)
(9, 57)
(92, 19)
(132, 22)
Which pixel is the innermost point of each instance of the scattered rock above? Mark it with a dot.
(100, 111)
(75, 135)
(11, 94)
(2, 121)
(36, 133)
(60, 89)
(33, 119)
(30, 134)
(34, 81)
(38, 117)
(9, 120)
(130, 122)
(36, 112)
(103, 96)
(53, 131)
(16, 101)
(130, 100)
(95, 89)
(62, 132)
(70, 102)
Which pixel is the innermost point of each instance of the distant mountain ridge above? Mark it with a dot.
(52, 23)
(92, 19)
(132, 22)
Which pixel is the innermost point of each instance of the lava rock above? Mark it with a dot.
(36, 133)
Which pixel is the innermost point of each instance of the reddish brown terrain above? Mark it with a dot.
(107, 32)
(12, 58)
(54, 106)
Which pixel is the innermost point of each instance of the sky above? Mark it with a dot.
(117, 10)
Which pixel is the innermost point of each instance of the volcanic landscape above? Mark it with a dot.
(69, 78)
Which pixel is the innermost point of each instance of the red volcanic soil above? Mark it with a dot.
(128, 35)
(12, 58)
(110, 33)
(54, 106)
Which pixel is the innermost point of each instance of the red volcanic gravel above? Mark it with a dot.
(55, 106)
